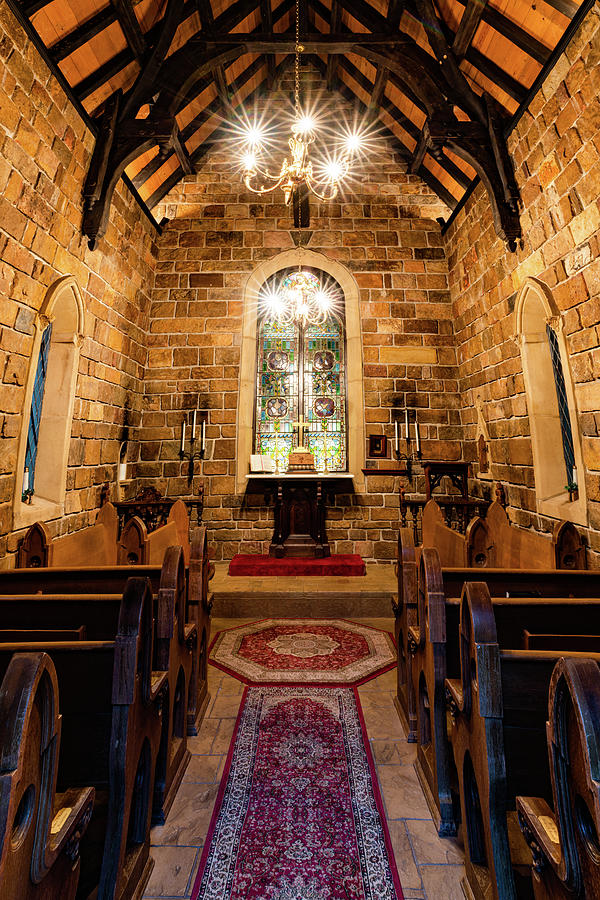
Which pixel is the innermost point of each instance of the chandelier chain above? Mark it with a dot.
(297, 63)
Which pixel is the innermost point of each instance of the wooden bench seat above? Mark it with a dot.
(40, 828)
(175, 643)
(112, 704)
(433, 650)
(563, 838)
(111, 580)
(498, 705)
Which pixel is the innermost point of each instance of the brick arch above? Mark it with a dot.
(354, 362)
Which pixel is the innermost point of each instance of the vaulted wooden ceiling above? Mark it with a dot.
(236, 48)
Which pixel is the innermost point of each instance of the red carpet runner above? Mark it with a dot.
(338, 564)
(298, 815)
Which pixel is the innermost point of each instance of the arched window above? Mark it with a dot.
(301, 376)
(555, 441)
(48, 408)
(35, 416)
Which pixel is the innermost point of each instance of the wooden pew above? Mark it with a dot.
(498, 706)
(477, 550)
(40, 829)
(100, 545)
(493, 542)
(110, 580)
(564, 838)
(110, 737)
(433, 644)
(175, 644)
(93, 546)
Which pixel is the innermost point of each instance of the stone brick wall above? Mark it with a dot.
(386, 235)
(44, 154)
(556, 151)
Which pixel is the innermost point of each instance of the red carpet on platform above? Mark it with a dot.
(338, 564)
(298, 815)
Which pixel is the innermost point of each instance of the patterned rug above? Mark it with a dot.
(298, 815)
(303, 651)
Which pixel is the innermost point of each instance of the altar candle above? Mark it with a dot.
(122, 471)
(417, 435)
(194, 426)
(26, 480)
(396, 436)
(203, 435)
(182, 448)
(574, 481)
(406, 426)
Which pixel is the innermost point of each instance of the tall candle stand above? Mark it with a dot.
(409, 456)
(197, 429)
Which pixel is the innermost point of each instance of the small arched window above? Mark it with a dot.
(35, 416)
(48, 408)
(301, 376)
(555, 441)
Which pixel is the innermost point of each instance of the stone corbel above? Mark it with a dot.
(556, 323)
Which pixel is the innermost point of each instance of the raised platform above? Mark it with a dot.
(335, 596)
(251, 565)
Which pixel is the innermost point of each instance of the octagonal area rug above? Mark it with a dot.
(330, 652)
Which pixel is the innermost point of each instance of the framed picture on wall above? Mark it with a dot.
(378, 446)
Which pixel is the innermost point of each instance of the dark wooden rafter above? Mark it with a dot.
(335, 22)
(130, 27)
(266, 17)
(468, 25)
(208, 26)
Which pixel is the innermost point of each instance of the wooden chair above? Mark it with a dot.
(40, 830)
(200, 601)
(564, 839)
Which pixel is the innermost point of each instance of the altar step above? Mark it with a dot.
(320, 596)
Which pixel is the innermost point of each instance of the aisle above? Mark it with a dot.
(430, 868)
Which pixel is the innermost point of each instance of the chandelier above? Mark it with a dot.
(300, 299)
(296, 175)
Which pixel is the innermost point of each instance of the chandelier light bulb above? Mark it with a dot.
(353, 142)
(334, 170)
(305, 125)
(254, 136)
(249, 161)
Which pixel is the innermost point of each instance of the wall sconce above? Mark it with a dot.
(399, 421)
(197, 429)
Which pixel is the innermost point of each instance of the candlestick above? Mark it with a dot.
(26, 479)
(182, 448)
(574, 477)
(203, 435)
(417, 435)
(396, 435)
(194, 426)
(407, 426)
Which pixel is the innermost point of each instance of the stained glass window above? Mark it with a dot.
(37, 400)
(301, 369)
(563, 404)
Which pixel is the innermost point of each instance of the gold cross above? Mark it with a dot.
(301, 424)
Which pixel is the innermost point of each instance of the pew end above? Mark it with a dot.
(41, 829)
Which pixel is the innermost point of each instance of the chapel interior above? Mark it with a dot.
(300, 360)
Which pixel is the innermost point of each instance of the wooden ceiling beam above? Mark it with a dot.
(495, 73)
(130, 27)
(516, 35)
(98, 23)
(567, 7)
(88, 86)
(266, 18)
(469, 24)
(335, 21)
(208, 26)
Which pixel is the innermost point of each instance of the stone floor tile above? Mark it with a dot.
(203, 769)
(393, 752)
(172, 873)
(405, 861)
(225, 706)
(223, 737)
(402, 793)
(203, 741)
(442, 882)
(383, 725)
(188, 821)
(429, 847)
